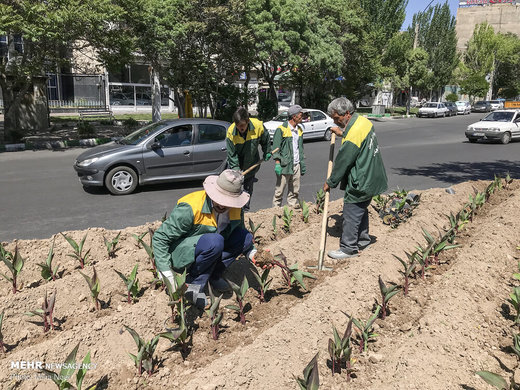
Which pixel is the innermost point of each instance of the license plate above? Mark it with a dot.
(478, 134)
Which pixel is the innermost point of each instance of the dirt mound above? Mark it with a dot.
(455, 322)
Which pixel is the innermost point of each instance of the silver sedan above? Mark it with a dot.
(315, 124)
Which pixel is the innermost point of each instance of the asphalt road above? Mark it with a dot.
(40, 194)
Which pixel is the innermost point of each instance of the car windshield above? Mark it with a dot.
(480, 103)
(460, 103)
(430, 105)
(282, 117)
(499, 117)
(140, 134)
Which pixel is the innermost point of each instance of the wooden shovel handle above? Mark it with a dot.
(257, 164)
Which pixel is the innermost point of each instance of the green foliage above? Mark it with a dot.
(78, 250)
(86, 130)
(49, 272)
(62, 379)
(396, 207)
(240, 293)
(274, 224)
(14, 263)
(156, 281)
(320, 201)
(305, 211)
(213, 313)
(515, 302)
(452, 97)
(516, 344)
(263, 281)
(130, 123)
(93, 285)
(365, 329)
(340, 349)
(46, 313)
(145, 349)
(311, 377)
(253, 229)
(177, 303)
(267, 108)
(287, 218)
(298, 275)
(386, 294)
(408, 268)
(495, 380)
(2, 346)
(111, 246)
(131, 284)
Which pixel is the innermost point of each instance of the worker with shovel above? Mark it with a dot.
(243, 138)
(359, 167)
(204, 234)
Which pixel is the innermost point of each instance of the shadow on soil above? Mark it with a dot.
(456, 172)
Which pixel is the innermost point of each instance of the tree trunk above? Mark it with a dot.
(156, 96)
(179, 102)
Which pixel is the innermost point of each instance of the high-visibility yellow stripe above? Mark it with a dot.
(258, 130)
(286, 131)
(358, 132)
(235, 214)
(196, 200)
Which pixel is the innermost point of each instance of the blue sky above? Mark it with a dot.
(415, 6)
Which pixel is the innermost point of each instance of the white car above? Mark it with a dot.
(315, 124)
(463, 107)
(496, 105)
(501, 125)
(433, 110)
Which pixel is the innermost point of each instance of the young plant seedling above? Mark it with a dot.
(365, 330)
(517, 275)
(516, 344)
(320, 201)
(264, 282)
(93, 285)
(386, 294)
(132, 285)
(14, 263)
(287, 219)
(2, 345)
(156, 281)
(423, 257)
(111, 246)
(305, 211)
(515, 302)
(177, 334)
(145, 350)
(78, 250)
(408, 269)
(48, 272)
(496, 380)
(240, 293)
(62, 379)
(311, 377)
(340, 350)
(291, 273)
(437, 246)
(274, 225)
(139, 238)
(253, 228)
(508, 180)
(213, 313)
(46, 313)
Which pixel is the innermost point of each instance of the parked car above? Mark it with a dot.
(481, 106)
(496, 105)
(315, 124)
(452, 107)
(501, 125)
(463, 107)
(433, 110)
(165, 151)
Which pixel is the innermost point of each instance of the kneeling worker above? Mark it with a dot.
(204, 234)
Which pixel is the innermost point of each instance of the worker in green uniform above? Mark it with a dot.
(243, 138)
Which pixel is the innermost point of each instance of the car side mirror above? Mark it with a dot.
(155, 145)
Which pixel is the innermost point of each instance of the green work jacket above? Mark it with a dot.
(243, 152)
(359, 166)
(175, 241)
(282, 139)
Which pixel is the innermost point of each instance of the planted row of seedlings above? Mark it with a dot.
(418, 262)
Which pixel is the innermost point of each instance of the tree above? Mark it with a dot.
(507, 72)
(45, 30)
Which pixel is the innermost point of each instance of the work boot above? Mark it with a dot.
(195, 295)
(338, 254)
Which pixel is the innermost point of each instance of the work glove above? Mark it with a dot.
(278, 169)
(267, 156)
(167, 275)
(303, 170)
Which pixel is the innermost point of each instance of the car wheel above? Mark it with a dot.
(327, 135)
(121, 180)
(444, 115)
(472, 140)
(506, 137)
